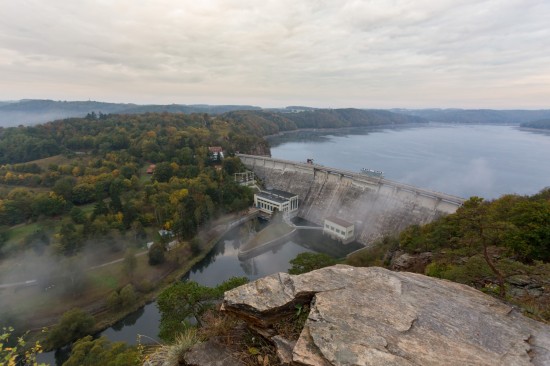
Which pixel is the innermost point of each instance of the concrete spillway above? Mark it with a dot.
(377, 206)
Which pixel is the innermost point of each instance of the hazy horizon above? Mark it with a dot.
(362, 54)
(274, 107)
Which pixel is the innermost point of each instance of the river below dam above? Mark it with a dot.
(220, 264)
(463, 160)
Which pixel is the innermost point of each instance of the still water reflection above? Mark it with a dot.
(463, 160)
(219, 265)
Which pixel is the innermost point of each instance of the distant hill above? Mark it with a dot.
(269, 122)
(34, 111)
(478, 115)
(182, 108)
(543, 124)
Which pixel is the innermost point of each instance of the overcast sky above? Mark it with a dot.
(323, 53)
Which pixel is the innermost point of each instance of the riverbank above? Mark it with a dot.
(209, 236)
(343, 129)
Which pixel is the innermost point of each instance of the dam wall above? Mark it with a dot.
(377, 206)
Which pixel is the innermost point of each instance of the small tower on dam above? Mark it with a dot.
(267, 201)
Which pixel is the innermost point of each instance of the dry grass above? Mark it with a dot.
(253, 350)
(173, 354)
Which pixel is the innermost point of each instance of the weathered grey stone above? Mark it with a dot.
(407, 262)
(519, 280)
(372, 316)
(284, 349)
(210, 353)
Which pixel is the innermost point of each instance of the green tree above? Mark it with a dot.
(156, 254)
(64, 187)
(163, 172)
(88, 351)
(100, 208)
(184, 300)
(74, 324)
(48, 204)
(196, 245)
(482, 231)
(232, 165)
(77, 215)
(114, 301)
(83, 193)
(128, 295)
(70, 239)
(306, 262)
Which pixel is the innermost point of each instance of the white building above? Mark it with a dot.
(216, 153)
(339, 229)
(268, 201)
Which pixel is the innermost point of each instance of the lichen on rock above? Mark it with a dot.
(373, 316)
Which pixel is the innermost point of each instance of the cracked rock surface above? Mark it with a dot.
(373, 316)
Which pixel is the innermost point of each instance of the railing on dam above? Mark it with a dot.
(254, 160)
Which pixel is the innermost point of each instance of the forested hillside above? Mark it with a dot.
(79, 185)
(74, 194)
(501, 247)
(273, 122)
(479, 116)
(543, 124)
(33, 111)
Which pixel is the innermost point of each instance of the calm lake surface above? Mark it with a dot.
(462, 160)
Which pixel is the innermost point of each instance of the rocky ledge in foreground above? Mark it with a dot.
(372, 316)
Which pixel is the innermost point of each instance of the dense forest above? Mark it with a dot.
(478, 116)
(543, 124)
(235, 131)
(106, 154)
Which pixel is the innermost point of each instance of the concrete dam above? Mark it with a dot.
(376, 205)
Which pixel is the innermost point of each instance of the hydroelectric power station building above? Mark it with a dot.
(268, 201)
(339, 229)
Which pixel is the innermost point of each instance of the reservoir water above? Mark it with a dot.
(463, 160)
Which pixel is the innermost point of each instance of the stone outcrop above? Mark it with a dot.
(402, 261)
(372, 316)
(211, 353)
